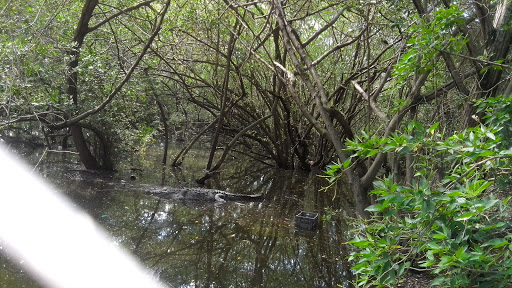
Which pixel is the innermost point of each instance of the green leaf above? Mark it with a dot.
(506, 152)
(439, 280)
(427, 207)
(489, 203)
(402, 267)
(439, 236)
(495, 243)
(373, 208)
(389, 277)
(347, 163)
(434, 245)
(441, 198)
(465, 216)
(360, 243)
(432, 128)
(461, 252)
(405, 149)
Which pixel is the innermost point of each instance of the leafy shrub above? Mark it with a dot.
(463, 239)
(450, 228)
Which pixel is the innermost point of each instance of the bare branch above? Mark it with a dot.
(337, 47)
(385, 78)
(370, 175)
(119, 87)
(489, 62)
(372, 103)
(321, 30)
(455, 73)
(121, 12)
(483, 14)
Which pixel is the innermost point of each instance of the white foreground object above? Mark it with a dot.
(59, 244)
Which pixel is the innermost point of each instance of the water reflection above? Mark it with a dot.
(195, 244)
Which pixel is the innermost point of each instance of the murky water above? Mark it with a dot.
(203, 244)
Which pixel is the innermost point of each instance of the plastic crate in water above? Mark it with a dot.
(306, 221)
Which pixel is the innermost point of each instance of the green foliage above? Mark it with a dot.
(428, 37)
(333, 170)
(497, 113)
(146, 136)
(450, 228)
(462, 239)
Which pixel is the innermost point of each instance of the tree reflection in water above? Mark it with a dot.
(196, 244)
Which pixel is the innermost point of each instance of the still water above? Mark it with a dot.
(203, 244)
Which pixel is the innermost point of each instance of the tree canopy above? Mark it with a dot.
(286, 82)
(414, 89)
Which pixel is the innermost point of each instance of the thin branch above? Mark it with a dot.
(302, 107)
(40, 159)
(6, 5)
(325, 27)
(473, 167)
(368, 178)
(483, 14)
(377, 92)
(228, 147)
(337, 47)
(119, 87)
(121, 12)
(455, 73)
(178, 159)
(477, 59)
(372, 103)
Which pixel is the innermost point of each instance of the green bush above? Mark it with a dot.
(461, 238)
(452, 228)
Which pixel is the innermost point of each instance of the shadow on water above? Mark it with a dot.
(200, 244)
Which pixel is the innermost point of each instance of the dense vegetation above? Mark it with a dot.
(414, 94)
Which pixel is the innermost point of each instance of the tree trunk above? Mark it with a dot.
(82, 30)
(409, 157)
(499, 38)
(163, 118)
(223, 104)
(310, 77)
(84, 153)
